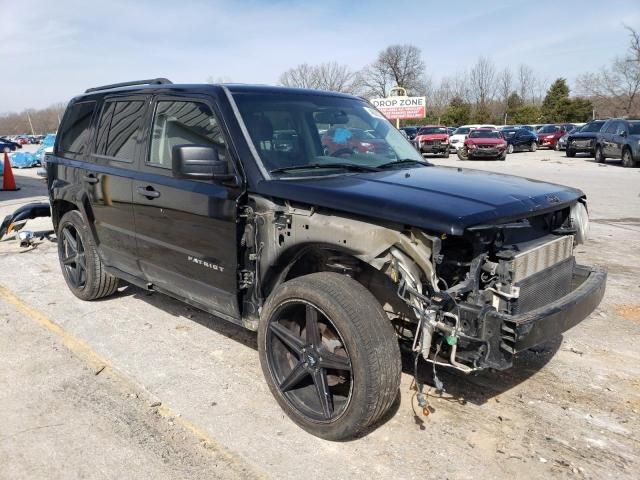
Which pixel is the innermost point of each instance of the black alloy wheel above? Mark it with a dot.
(329, 354)
(81, 266)
(73, 257)
(309, 361)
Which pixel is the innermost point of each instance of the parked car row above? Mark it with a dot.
(23, 139)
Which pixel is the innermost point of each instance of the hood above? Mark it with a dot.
(547, 135)
(438, 199)
(432, 136)
(484, 141)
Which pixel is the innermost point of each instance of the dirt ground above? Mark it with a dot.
(142, 386)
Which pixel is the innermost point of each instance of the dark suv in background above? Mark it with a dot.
(583, 140)
(224, 197)
(619, 138)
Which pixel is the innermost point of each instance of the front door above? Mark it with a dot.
(186, 229)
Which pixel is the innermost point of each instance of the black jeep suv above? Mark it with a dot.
(619, 138)
(583, 140)
(338, 260)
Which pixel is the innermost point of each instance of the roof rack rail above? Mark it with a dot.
(150, 81)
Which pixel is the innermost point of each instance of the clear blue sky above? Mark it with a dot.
(58, 48)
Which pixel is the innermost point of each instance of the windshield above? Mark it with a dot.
(484, 134)
(462, 131)
(432, 130)
(592, 127)
(549, 129)
(325, 133)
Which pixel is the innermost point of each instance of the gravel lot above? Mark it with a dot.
(142, 386)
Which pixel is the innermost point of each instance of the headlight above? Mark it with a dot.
(580, 221)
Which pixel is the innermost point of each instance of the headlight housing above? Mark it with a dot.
(580, 221)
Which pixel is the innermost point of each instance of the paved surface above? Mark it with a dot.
(568, 409)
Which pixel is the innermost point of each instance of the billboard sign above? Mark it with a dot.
(401, 107)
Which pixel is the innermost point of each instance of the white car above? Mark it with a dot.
(457, 139)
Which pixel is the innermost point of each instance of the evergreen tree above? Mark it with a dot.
(457, 113)
(556, 104)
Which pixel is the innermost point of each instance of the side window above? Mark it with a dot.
(119, 129)
(183, 123)
(610, 128)
(621, 128)
(74, 132)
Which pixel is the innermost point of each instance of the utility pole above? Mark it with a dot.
(30, 124)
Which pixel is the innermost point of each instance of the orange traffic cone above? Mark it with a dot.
(8, 182)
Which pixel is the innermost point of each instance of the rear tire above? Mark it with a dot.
(81, 266)
(599, 156)
(510, 148)
(351, 329)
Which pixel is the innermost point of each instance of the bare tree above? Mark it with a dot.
(616, 89)
(325, 76)
(45, 120)
(526, 82)
(397, 65)
(301, 76)
(482, 81)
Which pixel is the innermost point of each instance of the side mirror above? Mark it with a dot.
(199, 162)
(623, 133)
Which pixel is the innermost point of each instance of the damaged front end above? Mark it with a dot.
(469, 302)
(505, 288)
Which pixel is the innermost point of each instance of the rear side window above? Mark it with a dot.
(184, 123)
(74, 131)
(119, 129)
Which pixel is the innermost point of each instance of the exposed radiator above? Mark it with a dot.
(537, 259)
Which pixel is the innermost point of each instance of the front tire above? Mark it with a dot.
(571, 153)
(446, 153)
(329, 354)
(599, 156)
(533, 147)
(463, 154)
(627, 158)
(510, 148)
(81, 266)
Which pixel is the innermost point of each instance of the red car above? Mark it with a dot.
(549, 135)
(484, 143)
(339, 141)
(433, 139)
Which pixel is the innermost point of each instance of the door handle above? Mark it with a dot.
(91, 179)
(148, 192)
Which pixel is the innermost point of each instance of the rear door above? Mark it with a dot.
(108, 179)
(619, 139)
(187, 229)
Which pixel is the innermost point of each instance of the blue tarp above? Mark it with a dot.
(23, 160)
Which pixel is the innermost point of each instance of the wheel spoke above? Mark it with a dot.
(81, 261)
(313, 330)
(71, 259)
(295, 376)
(334, 362)
(322, 388)
(74, 276)
(287, 337)
(71, 242)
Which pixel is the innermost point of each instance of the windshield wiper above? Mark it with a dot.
(404, 161)
(311, 166)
